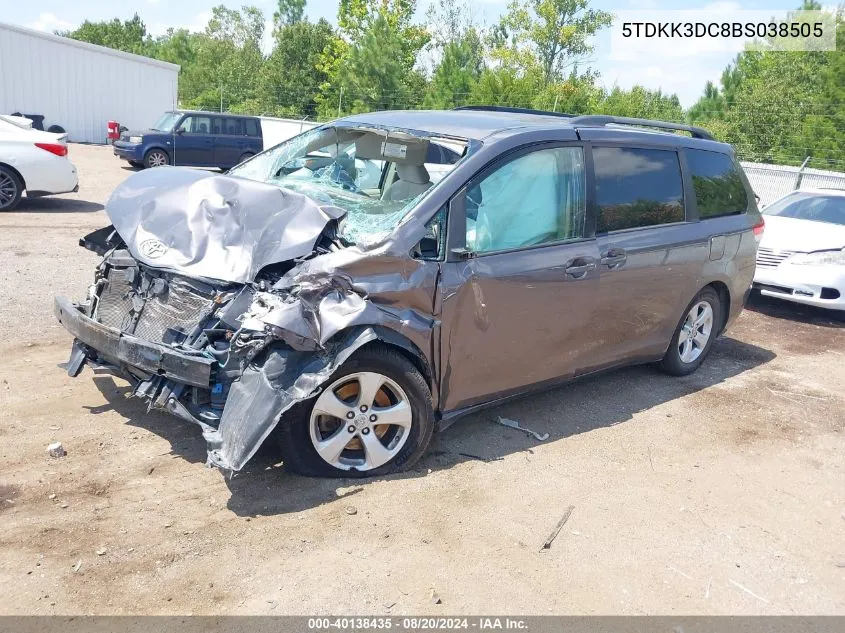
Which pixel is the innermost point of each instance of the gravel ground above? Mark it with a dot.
(719, 493)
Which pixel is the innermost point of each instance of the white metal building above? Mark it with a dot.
(81, 86)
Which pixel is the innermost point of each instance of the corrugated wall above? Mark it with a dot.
(79, 86)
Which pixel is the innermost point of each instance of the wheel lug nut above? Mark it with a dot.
(350, 414)
(365, 431)
(363, 408)
(373, 418)
(351, 429)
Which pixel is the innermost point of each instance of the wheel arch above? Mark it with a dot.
(14, 171)
(388, 337)
(724, 293)
(407, 348)
(158, 146)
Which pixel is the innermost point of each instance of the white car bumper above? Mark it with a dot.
(821, 286)
(60, 177)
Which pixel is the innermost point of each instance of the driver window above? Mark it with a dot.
(196, 125)
(533, 199)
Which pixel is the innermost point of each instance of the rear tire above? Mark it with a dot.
(56, 129)
(245, 156)
(156, 158)
(694, 336)
(299, 440)
(11, 189)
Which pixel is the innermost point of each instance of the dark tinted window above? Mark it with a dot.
(717, 184)
(251, 127)
(637, 187)
(232, 126)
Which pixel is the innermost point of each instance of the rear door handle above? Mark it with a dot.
(614, 257)
(579, 267)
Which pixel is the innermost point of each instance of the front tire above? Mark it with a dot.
(694, 336)
(156, 158)
(373, 417)
(11, 189)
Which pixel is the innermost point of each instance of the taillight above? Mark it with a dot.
(758, 229)
(54, 148)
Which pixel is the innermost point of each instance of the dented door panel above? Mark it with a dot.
(514, 319)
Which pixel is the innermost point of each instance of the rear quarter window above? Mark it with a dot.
(717, 184)
(637, 187)
(251, 126)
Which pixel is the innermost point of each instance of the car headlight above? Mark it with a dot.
(136, 139)
(819, 258)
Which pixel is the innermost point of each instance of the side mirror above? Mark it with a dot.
(180, 131)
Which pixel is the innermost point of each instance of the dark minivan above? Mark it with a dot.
(494, 253)
(193, 139)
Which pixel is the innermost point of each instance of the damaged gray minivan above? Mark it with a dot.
(361, 285)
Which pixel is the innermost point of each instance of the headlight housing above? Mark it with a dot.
(819, 258)
(136, 139)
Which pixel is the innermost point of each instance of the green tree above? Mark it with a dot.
(457, 73)
(552, 33)
(129, 36)
(288, 12)
(371, 60)
(228, 61)
(456, 45)
(290, 80)
(641, 103)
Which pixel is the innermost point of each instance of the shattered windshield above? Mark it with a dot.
(166, 122)
(376, 175)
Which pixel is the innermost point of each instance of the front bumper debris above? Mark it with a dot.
(120, 348)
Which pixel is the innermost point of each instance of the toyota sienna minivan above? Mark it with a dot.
(496, 252)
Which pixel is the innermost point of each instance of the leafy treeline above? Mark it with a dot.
(781, 106)
(775, 106)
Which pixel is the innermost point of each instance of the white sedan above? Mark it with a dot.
(802, 255)
(32, 161)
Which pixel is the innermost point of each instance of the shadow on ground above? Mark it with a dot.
(58, 205)
(264, 488)
(780, 309)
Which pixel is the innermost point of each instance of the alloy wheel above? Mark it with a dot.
(361, 421)
(695, 332)
(157, 159)
(8, 190)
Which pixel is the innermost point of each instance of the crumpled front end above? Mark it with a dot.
(219, 354)
(231, 332)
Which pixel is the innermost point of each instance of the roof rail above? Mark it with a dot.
(492, 108)
(600, 120)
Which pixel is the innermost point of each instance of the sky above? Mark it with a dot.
(681, 70)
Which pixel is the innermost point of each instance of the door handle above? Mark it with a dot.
(579, 267)
(614, 257)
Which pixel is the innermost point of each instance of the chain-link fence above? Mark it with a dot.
(770, 182)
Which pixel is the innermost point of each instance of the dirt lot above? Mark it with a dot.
(722, 492)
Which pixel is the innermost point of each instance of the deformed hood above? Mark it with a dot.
(209, 225)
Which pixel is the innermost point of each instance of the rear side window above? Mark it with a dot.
(717, 184)
(251, 127)
(637, 187)
(232, 126)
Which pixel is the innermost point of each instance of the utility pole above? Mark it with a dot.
(340, 102)
(221, 97)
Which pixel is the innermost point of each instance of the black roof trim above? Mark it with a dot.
(490, 108)
(598, 120)
(601, 120)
